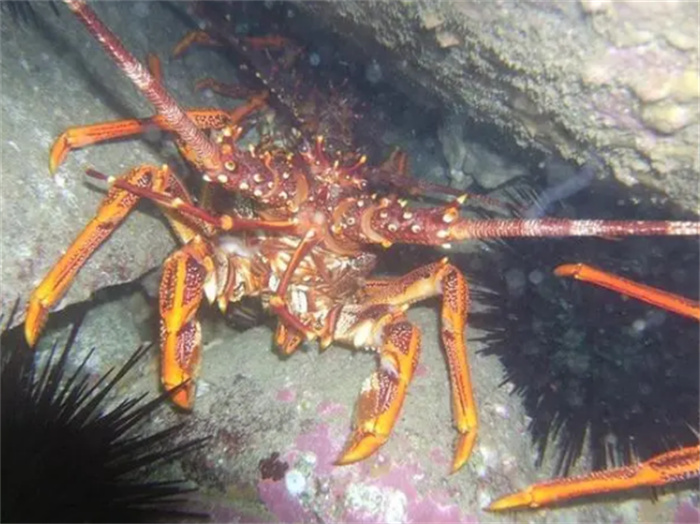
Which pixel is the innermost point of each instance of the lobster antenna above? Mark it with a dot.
(165, 105)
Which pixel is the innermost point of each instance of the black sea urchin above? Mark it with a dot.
(66, 458)
(591, 366)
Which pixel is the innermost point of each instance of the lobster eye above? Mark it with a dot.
(229, 165)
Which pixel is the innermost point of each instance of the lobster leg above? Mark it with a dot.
(166, 106)
(114, 208)
(82, 136)
(288, 339)
(291, 331)
(78, 137)
(650, 295)
(194, 37)
(227, 90)
(185, 275)
(373, 425)
(662, 469)
(203, 38)
(384, 390)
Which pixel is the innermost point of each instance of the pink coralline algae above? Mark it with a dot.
(421, 507)
(319, 442)
(686, 514)
(430, 511)
(286, 395)
(374, 490)
(328, 408)
(281, 503)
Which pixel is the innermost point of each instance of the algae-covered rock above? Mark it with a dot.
(618, 78)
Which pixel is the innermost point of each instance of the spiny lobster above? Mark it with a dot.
(307, 251)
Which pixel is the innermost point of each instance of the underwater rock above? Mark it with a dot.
(469, 161)
(488, 168)
(564, 77)
(451, 136)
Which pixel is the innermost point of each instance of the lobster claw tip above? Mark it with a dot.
(522, 499)
(183, 394)
(463, 450)
(35, 321)
(360, 446)
(59, 151)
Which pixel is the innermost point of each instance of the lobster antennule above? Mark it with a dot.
(165, 105)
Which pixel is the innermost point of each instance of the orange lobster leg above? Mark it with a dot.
(291, 331)
(194, 37)
(185, 274)
(255, 42)
(287, 339)
(268, 42)
(383, 392)
(78, 137)
(665, 468)
(650, 295)
(114, 208)
(228, 90)
(81, 136)
(428, 281)
(385, 327)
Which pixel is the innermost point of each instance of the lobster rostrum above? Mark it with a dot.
(307, 250)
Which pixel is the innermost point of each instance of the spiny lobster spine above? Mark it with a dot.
(152, 89)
